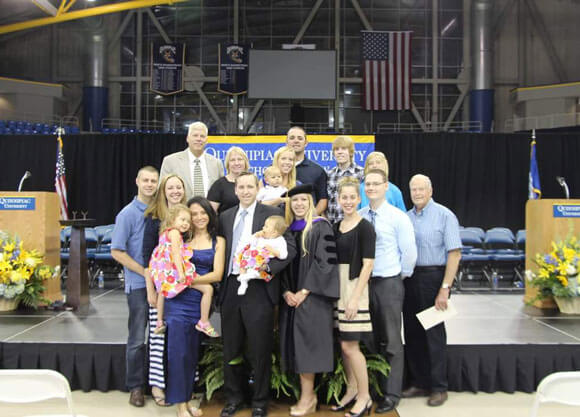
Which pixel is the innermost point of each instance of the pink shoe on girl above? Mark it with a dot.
(206, 328)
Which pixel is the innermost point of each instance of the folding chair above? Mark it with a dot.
(505, 260)
(503, 229)
(474, 260)
(33, 385)
(559, 387)
(477, 230)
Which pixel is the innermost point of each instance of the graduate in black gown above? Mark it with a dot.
(310, 286)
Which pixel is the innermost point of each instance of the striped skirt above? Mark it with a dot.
(360, 326)
(156, 353)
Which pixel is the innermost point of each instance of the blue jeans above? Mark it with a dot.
(136, 347)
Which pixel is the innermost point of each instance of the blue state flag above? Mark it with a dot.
(534, 189)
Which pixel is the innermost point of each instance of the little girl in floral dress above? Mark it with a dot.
(172, 271)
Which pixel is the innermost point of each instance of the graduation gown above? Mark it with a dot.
(306, 332)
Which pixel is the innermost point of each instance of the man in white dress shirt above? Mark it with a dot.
(395, 258)
(197, 168)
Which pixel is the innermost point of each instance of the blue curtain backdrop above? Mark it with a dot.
(483, 178)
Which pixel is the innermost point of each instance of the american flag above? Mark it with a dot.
(386, 70)
(60, 180)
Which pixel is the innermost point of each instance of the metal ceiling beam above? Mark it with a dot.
(68, 5)
(361, 15)
(501, 18)
(66, 16)
(547, 40)
(121, 29)
(454, 110)
(158, 26)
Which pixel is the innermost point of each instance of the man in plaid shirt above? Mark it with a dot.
(343, 151)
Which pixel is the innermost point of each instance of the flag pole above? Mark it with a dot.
(60, 177)
(534, 190)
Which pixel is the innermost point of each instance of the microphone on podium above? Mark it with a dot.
(26, 175)
(562, 182)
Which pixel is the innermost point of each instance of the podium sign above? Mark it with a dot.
(566, 210)
(17, 203)
(548, 220)
(33, 216)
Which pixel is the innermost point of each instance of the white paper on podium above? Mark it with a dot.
(431, 317)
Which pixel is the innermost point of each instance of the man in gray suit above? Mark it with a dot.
(197, 169)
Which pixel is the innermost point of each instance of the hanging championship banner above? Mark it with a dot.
(167, 68)
(233, 69)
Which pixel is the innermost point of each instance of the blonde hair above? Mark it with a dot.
(240, 152)
(197, 125)
(172, 214)
(344, 142)
(349, 182)
(279, 224)
(309, 216)
(158, 207)
(275, 162)
(377, 156)
(272, 170)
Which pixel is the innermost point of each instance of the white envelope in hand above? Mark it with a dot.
(431, 317)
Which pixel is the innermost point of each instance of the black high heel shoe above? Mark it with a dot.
(342, 407)
(366, 410)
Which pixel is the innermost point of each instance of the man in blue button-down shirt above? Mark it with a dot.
(395, 257)
(126, 248)
(439, 252)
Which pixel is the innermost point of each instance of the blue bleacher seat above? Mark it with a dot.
(505, 230)
(477, 230)
(103, 259)
(102, 230)
(499, 238)
(91, 239)
(470, 238)
(521, 239)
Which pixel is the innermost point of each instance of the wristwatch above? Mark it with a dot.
(445, 286)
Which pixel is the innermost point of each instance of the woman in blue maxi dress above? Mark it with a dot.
(183, 311)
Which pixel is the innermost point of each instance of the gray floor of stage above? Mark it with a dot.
(484, 318)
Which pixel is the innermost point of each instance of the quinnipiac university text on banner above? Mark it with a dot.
(260, 149)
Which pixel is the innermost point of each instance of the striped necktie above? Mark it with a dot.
(197, 179)
(373, 215)
(238, 230)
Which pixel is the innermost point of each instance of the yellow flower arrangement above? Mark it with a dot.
(21, 272)
(558, 270)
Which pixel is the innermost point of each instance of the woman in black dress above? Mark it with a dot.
(221, 194)
(355, 244)
(310, 287)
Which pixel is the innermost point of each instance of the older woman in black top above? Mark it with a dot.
(355, 244)
(221, 194)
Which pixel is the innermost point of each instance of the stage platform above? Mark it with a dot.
(496, 343)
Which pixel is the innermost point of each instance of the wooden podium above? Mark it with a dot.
(547, 220)
(33, 216)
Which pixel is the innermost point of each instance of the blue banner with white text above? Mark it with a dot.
(260, 149)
